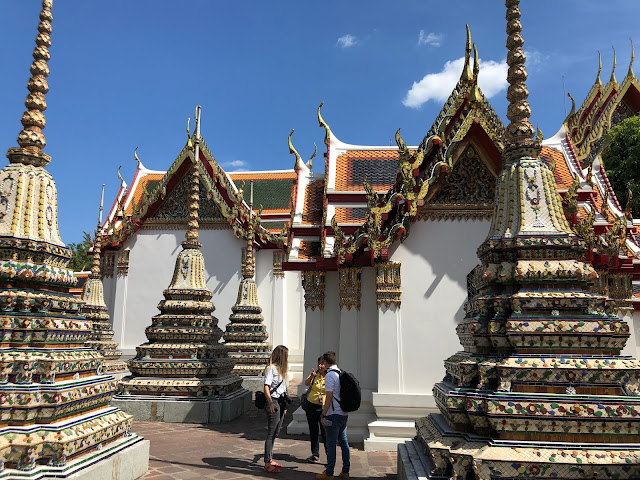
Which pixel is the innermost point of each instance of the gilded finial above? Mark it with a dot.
(295, 152)
(613, 69)
(135, 155)
(475, 95)
(589, 178)
(627, 210)
(519, 132)
(323, 124)
(598, 81)
(31, 140)
(573, 106)
(122, 182)
(315, 151)
(189, 142)
(467, 75)
(630, 73)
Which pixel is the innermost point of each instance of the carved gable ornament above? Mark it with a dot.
(466, 192)
(174, 210)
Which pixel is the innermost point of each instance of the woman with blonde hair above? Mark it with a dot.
(275, 391)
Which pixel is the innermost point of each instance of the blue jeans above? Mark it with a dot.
(337, 434)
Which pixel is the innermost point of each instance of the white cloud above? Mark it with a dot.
(492, 79)
(347, 41)
(433, 39)
(237, 165)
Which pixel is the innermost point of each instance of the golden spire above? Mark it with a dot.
(295, 152)
(598, 81)
(613, 70)
(474, 95)
(315, 152)
(31, 139)
(194, 190)
(467, 75)
(122, 182)
(630, 72)
(519, 133)
(189, 142)
(135, 155)
(573, 106)
(248, 266)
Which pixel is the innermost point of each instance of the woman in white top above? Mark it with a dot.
(275, 390)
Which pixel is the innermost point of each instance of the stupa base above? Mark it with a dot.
(253, 383)
(174, 409)
(455, 453)
(125, 459)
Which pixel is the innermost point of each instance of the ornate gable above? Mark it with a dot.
(175, 209)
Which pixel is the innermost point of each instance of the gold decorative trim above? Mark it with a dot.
(123, 262)
(278, 258)
(313, 283)
(107, 263)
(388, 284)
(349, 280)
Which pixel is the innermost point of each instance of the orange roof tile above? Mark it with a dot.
(309, 250)
(380, 167)
(244, 176)
(313, 203)
(350, 215)
(563, 175)
(136, 195)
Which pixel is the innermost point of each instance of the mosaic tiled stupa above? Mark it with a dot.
(541, 390)
(184, 356)
(55, 417)
(246, 334)
(95, 309)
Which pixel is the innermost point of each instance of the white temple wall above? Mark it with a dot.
(368, 332)
(632, 347)
(436, 259)
(294, 331)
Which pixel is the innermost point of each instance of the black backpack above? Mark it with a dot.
(350, 395)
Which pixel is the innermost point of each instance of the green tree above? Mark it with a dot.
(621, 157)
(80, 259)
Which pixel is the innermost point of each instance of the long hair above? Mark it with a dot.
(280, 360)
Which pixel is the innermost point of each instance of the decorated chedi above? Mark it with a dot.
(55, 418)
(184, 359)
(246, 334)
(95, 309)
(541, 390)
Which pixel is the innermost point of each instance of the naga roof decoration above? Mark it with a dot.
(604, 107)
(419, 170)
(134, 205)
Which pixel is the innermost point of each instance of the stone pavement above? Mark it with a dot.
(235, 451)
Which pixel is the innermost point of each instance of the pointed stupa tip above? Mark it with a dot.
(598, 81)
(467, 75)
(613, 68)
(519, 132)
(31, 139)
(630, 73)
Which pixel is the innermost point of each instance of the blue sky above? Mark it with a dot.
(129, 73)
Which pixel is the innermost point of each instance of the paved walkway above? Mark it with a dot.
(234, 451)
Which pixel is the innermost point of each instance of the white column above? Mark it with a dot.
(349, 280)
(278, 302)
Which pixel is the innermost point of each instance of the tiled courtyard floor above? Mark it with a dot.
(234, 451)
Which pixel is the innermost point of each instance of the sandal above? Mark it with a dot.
(313, 459)
(275, 464)
(271, 469)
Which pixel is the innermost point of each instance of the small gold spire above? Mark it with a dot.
(573, 106)
(627, 211)
(135, 155)
(467, 75)
(598, 81)
(589, 178)
(295, 152)
(31, 139)
(194, 205)
(315, 151)
(323, 124)
(189, 142)
(613, 70)
(539, 135)
(630, 73)
(475, 95)
(122, 182)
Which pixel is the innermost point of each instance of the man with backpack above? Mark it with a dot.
(334, 419)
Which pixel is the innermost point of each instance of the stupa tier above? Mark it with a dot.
(54, 405)
(246, 334)
(95, 309)
(184, 356)
(541, 390)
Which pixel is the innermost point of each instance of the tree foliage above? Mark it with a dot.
(80, 259)
(621, 157)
